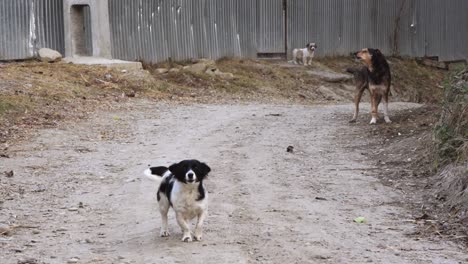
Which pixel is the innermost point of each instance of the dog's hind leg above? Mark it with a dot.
(164, 209)
(199, 226)
(385, 109)
(357, 99)
(187, 237)
(374, 109)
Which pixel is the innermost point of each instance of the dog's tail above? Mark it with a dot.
(156, 173)
(352, 70)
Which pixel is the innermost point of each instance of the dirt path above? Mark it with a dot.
(77, 190)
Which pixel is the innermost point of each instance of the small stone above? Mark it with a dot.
(227, 75)
(73, 260)
(9, 174)
(201, 66)
(174, 70)
(108, 76)
(49, 55)
(73, 209)
(132, 94)
(28, 261)
(5, 230)
(161, 70)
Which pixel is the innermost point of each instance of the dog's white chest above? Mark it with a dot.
(184, 200)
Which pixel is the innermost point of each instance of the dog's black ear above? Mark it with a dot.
(205, 169)
(307, 45)
(175, 168)
(374, 51)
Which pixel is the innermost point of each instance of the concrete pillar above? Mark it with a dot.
(76, 39)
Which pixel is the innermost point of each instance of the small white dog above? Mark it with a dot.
(305, 55)
(181, 187)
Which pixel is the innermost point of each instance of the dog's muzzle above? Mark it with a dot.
(190, 177)
(355, 55)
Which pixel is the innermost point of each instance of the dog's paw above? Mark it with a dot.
(197, 237)
(373, 121)
(164, 233)
(387, 120)
(187, 239)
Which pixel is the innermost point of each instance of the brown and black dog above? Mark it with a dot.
(376, 77)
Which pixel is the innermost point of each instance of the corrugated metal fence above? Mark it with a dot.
(159, 30)
(271, 17)
(400, 27)
(27, 25)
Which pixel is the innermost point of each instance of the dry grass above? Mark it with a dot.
(451, 138)
(35, 94)
(451, 132)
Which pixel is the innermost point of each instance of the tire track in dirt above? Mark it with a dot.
(263, 206)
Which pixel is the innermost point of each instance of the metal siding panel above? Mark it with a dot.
(25, 27)
(271, 27)
(159, 30)
(156, 30)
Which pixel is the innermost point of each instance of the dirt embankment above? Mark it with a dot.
(34, 94)
(425, 151)
(451, 157)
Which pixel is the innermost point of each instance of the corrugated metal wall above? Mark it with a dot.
(400, 27)
(271, 28)
(339, 27)
(28, 25)
(158, 30)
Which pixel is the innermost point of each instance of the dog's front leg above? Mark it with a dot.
(199, 226)
(187, 237)
(304, 60)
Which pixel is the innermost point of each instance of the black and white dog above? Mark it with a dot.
(181, 187)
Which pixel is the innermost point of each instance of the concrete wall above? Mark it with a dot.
(100, 30)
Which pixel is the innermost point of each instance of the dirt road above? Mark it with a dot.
(77, 193)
